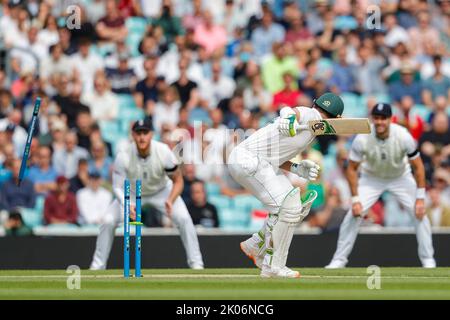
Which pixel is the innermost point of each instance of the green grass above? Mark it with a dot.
(174, 284)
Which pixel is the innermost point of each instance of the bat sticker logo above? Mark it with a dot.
(318, 126)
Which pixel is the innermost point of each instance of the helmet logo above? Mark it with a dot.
(326, 103)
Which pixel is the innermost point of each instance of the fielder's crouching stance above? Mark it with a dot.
(255, 164)
(157, 167)
(385, 156)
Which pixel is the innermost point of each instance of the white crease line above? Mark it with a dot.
(161, 276)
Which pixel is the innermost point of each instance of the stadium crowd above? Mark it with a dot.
(208, 73)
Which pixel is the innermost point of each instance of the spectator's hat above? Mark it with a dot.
(143, 125)
(94, 174)
(407, 68)
(61, 180)
(58, 125)
(382, 109)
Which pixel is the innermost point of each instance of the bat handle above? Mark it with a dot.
(302, 127)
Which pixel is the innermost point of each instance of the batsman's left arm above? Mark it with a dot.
(419, 175)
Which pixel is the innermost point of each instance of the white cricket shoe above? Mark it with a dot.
(429, 264)
(335, 264)
(251, 250)
(197, 267)
(285, 272)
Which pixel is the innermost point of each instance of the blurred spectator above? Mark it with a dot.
(218, 88)
(84, 125)
(81, 179)
(208, 35)
(437, 85)
(93, 200)
(288, 96)
(15, 226)
(342, 79)
(298, 31)
(168, 22)
(6, 103)
(407, 86)
(424, 36)
(60, 206)
(122, 78)
(441, 181)
(436, 140)
(13, 196)
(394, 32)
(275, 66)
(66, 160)
(111, 27)
(437, 211)
(68, 99)
(146, 91)
(56, 64)
(86, 63)
(58, 132)
(187, 89)
(194, 18)
(44, 175)
(167, 110)
(256, 97)
(100, 161)
(102, 102)
(202, 212)
(188, 170)
(413, 122)
(15, 133)
(367, 74)
(264, 36)
(330, 216)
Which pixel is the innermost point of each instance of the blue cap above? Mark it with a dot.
(382, 109)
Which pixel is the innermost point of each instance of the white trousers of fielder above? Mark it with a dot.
(180, 217)
(369, 191)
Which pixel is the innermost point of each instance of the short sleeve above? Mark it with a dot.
(170, 160)
(409, 144)
(357, 150)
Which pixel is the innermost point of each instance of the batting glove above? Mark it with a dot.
(306, 169)
(288, 126)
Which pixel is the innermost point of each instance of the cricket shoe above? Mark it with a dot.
(197, 267)
(285, 272)
(335, 264)
(251, 250)
(429, 264)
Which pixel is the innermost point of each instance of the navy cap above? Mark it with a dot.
(382, 109)
(10, 127)
(143, 125)
(94, 174)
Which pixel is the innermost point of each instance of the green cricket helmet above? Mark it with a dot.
(331, 103)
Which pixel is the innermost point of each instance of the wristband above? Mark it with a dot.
(420, 193)
(355, 199)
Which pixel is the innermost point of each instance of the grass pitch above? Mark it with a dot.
(240, 284)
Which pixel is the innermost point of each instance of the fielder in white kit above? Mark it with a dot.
(256, 162)
(385, 157)
(162, 183)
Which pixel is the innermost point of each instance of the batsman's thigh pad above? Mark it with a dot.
(291, 207)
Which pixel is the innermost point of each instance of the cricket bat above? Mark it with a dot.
(337, 126)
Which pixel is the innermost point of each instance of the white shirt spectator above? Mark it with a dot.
(66, 163)
(86, 67)
(50, 66)
(92, 204)
(214, 91)
(396, 35)
(104, 106)
(19, 137)
(166, 114)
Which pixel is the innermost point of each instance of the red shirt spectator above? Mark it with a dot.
(414, 123)
(288, 96)
(60, 207)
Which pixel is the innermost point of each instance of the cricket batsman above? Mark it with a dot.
(385, 157)
(255, 163)
(162, 183)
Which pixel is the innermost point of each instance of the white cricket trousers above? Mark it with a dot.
(180, 217)
(369, 191)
